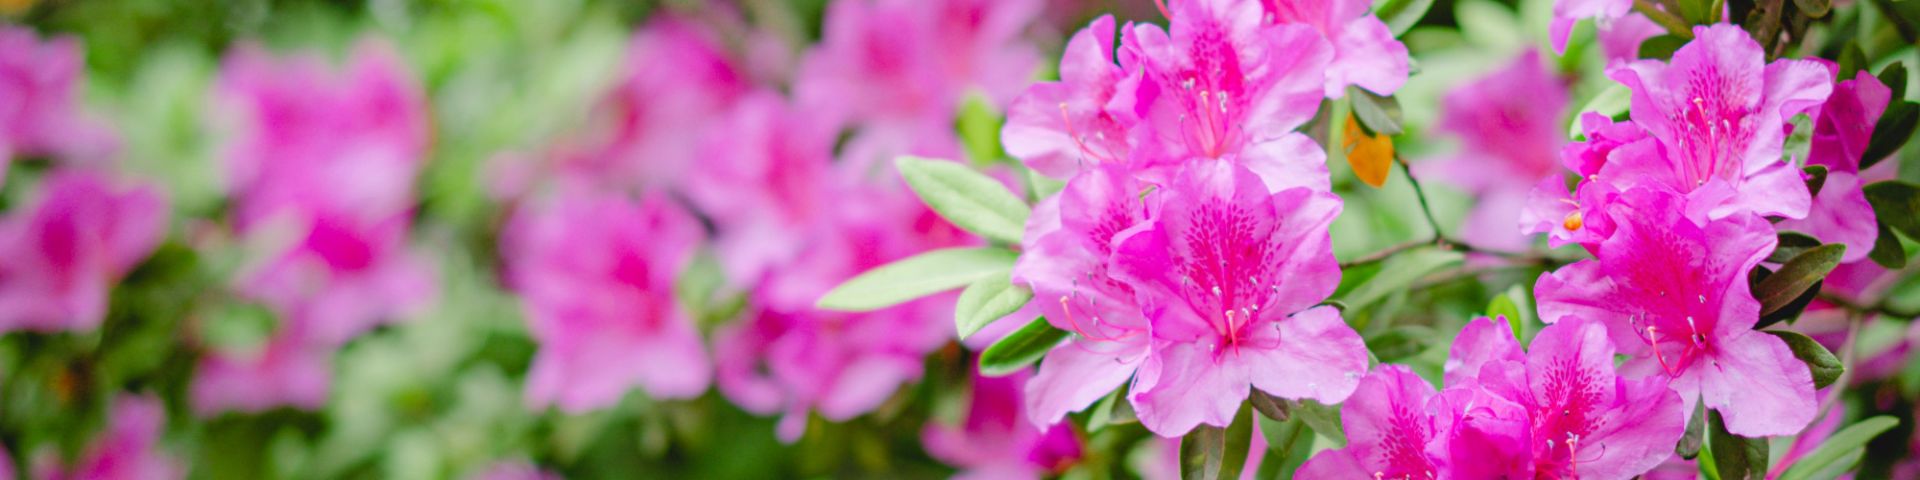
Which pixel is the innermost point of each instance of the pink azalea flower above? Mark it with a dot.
(1673, 294)
(67, 247)
(995, 440)
(1390, 433)
(1620, 39)
(40, 111)
(1718, 116)
(767, 170)
(878, 63)
(1568, 12)
(1509, 126)
(1059, 128)
(1583, 420)
(1219, 84)
(639, 136)
(1069, 244)
(597, 273)
(1481, 435)
(980, 41)
(286, 371)
(1229, 275)
(127, 449)
(1840, 212)
(1365, 52)
(335, 277)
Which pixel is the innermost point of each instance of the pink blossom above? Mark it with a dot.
(1229, 275)
(980, 41)
(1840, 212)
(1059, 128)
(1718, 117)
(69, 244)
(639, 135)
(994, 438)
(285, 371)
(1069, 244)
(597, 274)
(40, 112)
(767, 170)
(1219, 84)
(877, 64)
(1366, 54)
(1481, 435)
(1620, 39)
(1673, 293)
(1509, 126)
(1568, 12)
(127, 449)
(1390, 433)
(335, 277)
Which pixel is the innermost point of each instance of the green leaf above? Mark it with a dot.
(1826, 367)
(1897, 204)
(979, 128)
(1661, 47)
(1268, 405)
(1503, 307)
(1778, 290)
(1697, 12)
(966, 197)
(917, 276)
(1289, 444)
(1816, 178)
(1735, 457)
(1894, 76)
(1887, 250)
(1399, 272)
(1400, 342)
(1020, 348)
(1893, 129)
(1402, 15)
(1378, 115)
(1792, 244)
(1213, 453)
(1839, 445)
(1114, 409)
(988, 300)
(1852, 61)
(1610, 103)
(1324, 419)
(1696, 433)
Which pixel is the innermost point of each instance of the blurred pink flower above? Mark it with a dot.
(1366, 54)
(67, 246)
(995, 440)
(597, 275)
(127, 450)
(1840, 212)
(1060, 128)
(1229, 274)
(1620, 39)
(1069, 244)
(767, 169)
(514, 470)
(679, 78)
(908, 63)
(1568, 12)
(285, 371)
(1673, 293)
(980, 42)
(1509, 126)
(40, 112)
(1390, 432)
(334, 277)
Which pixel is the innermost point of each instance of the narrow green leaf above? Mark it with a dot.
(979, 128)
(1611, 102)
(1839, 445)
(1402, 15)
(1661, 47)
(1268, 405)
(1020, 348)
(1897, 205)
(966, 197)
(1503, 308)
(1887, 250)
(1792, 244)
(1400, 342)
(1852, 61)
(1893, 129)
(1894, 76)
(1698, 12)
(1696, 434)
(1816, 178)
(917, 276)
(1214, 453)
(986, 301)
(1782, 287)
(1826, 367)
(1735, 457)
(1378, 115)
(1324, 419)
(1399, 272)
(1289, 444)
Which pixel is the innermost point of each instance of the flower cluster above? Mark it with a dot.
(1189, 248)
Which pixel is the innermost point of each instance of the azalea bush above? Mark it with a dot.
(1339, 239)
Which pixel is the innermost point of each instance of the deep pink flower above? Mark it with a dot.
(1069, 244)
(67, 247)
(980, 41)
(1509, 126)
(597, 274)
(766, 172)
(335, 277)
(40, 112)
(285, 371)
(639, 135)
(1219, 84)
(1060, 128)
(1583, 420)
(1365, 52)
(1840, 212)
(878, 63)
(994, 438)
(1229, 275)
(1480, 434)
(1673, 294)
(127, 449)
(1718, 116)
(1390, 433)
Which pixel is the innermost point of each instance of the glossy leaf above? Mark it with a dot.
(1897, 205)
(917, 276)
(986, 301)
(1021, 348)
(1826, 367)
(1213, 453)
(1735, 457)
(1778, 290)
(971, 200)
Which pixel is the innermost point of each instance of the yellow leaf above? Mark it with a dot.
(1370, 155)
